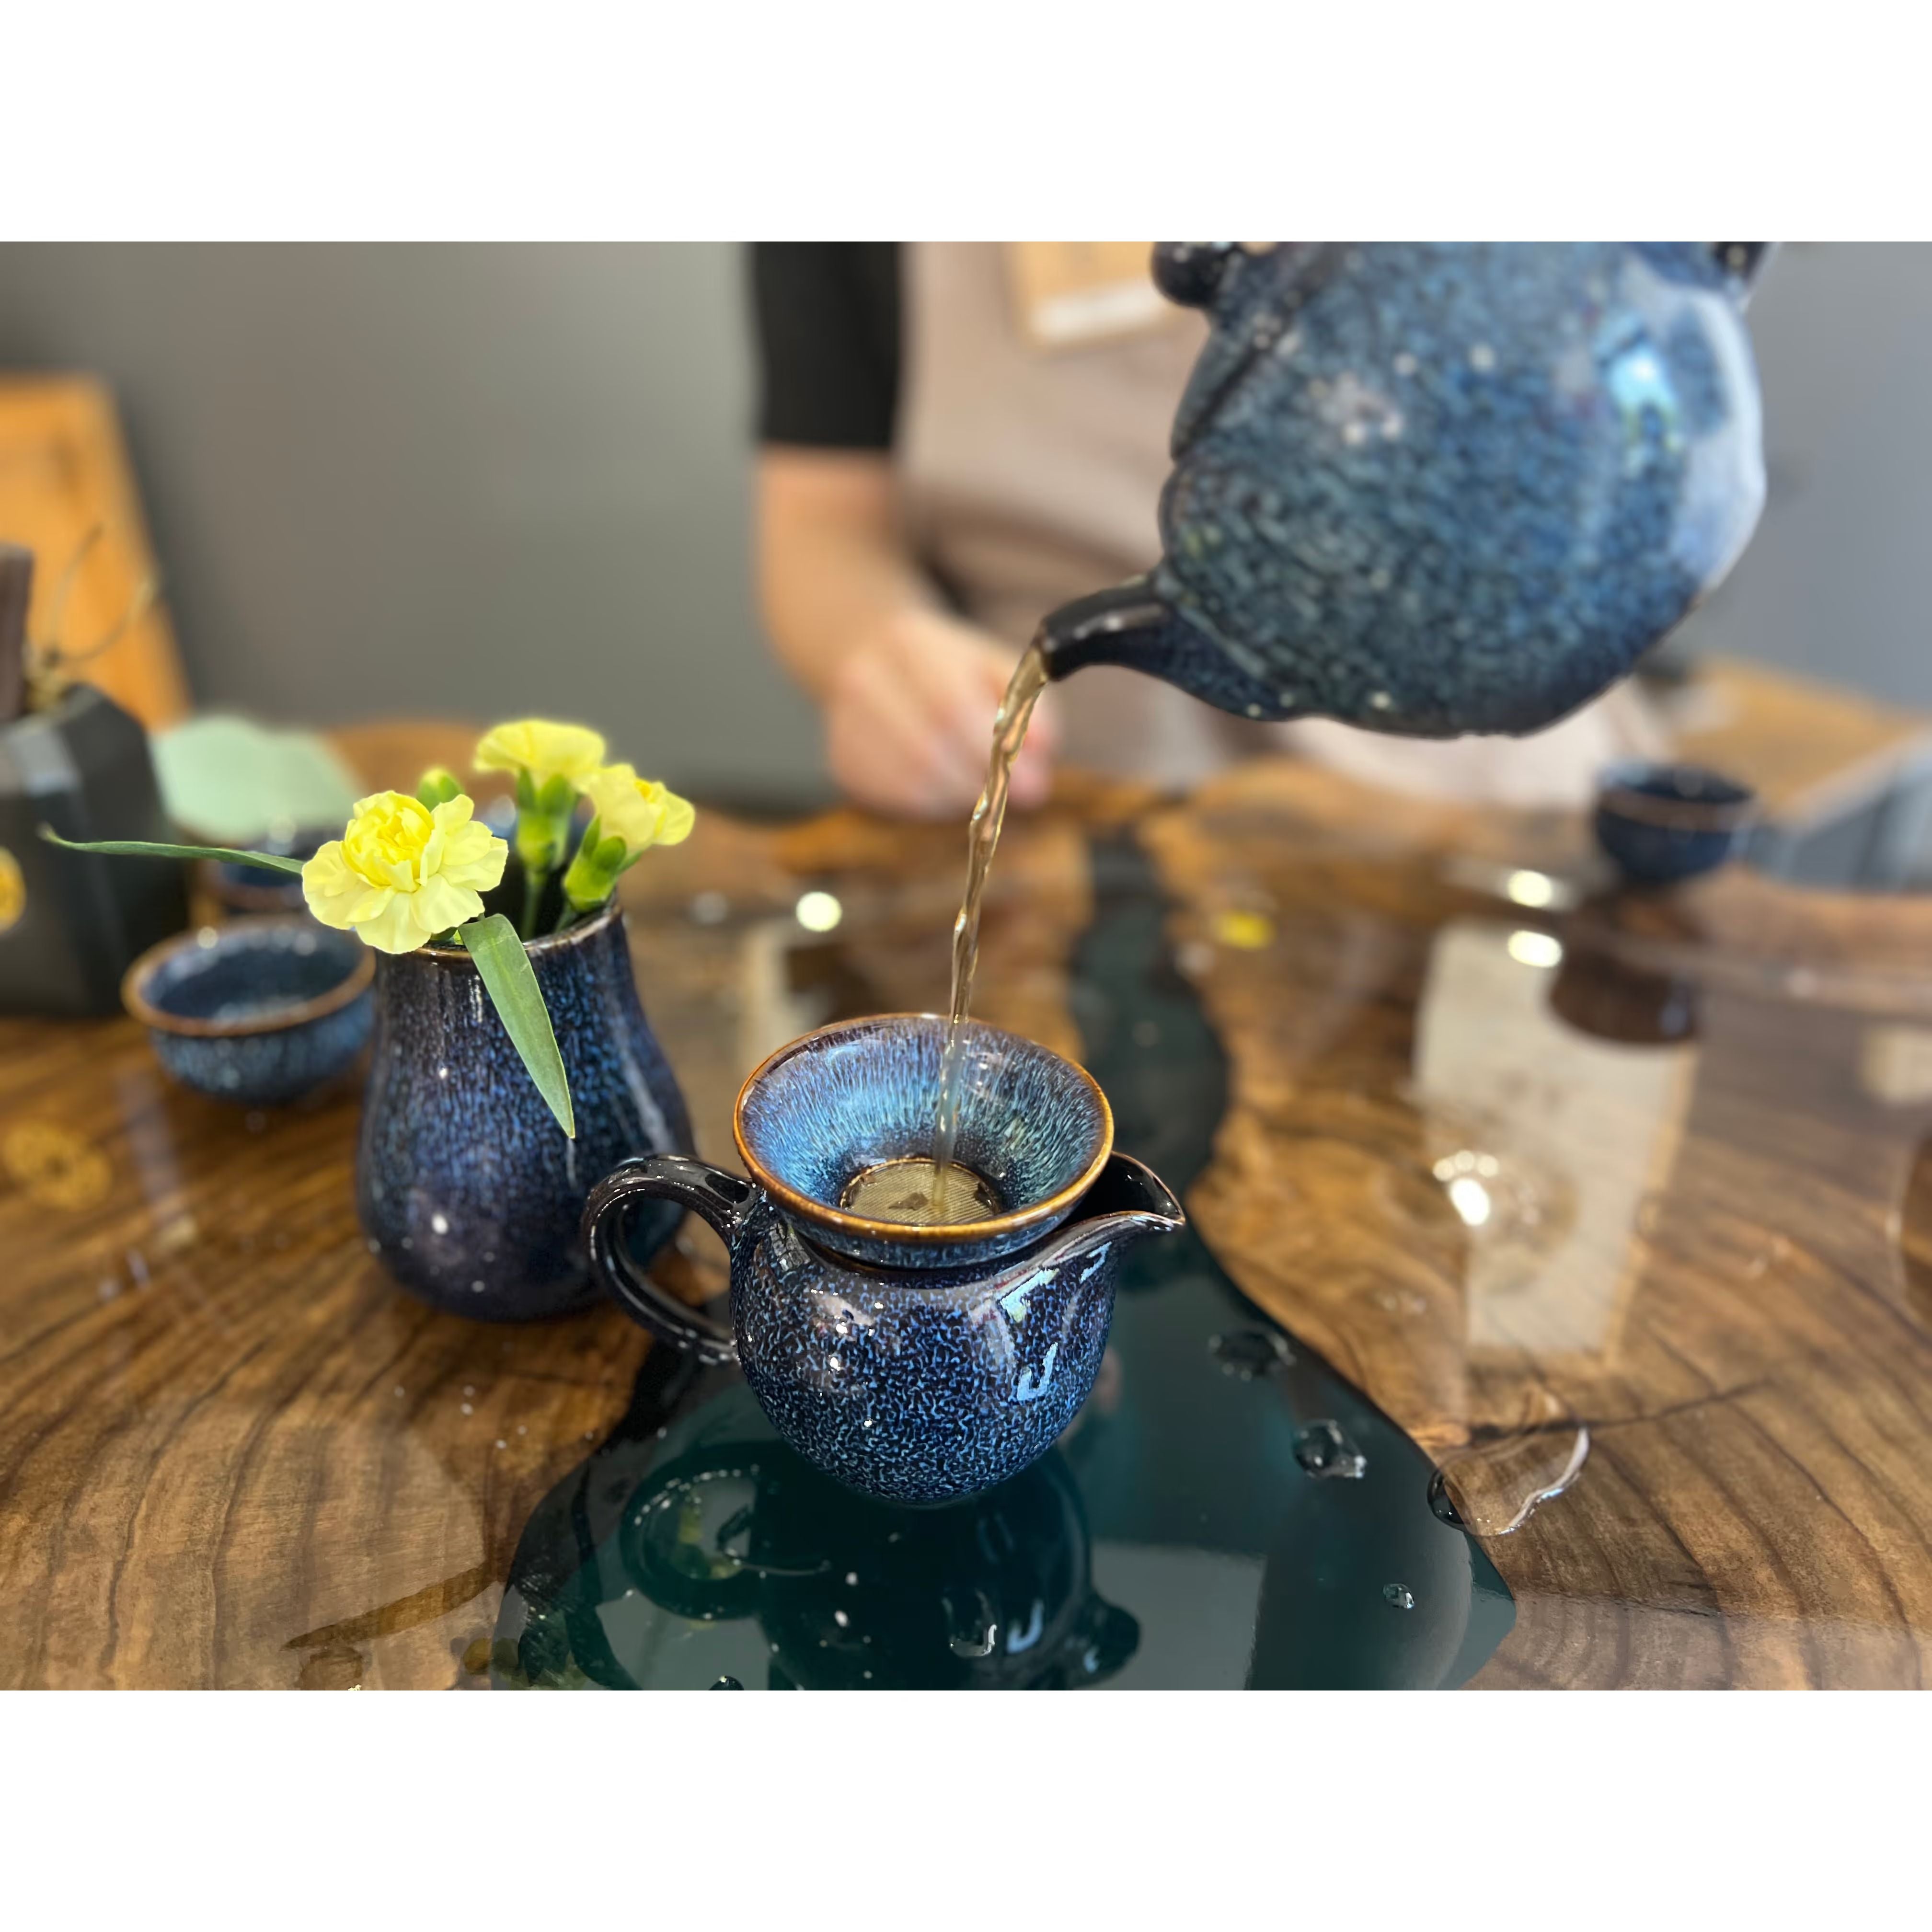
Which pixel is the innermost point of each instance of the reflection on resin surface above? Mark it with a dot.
(1545, 1140)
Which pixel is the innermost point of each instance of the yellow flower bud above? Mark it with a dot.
(544, 750)
(402, 872)
(640, 812)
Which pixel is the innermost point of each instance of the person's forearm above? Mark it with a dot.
(833, 568)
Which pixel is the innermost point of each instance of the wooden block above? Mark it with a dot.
(63, 472)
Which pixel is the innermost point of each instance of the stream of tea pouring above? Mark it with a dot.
(937, 1192)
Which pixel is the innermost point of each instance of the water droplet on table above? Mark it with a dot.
(1399, 1594)
(730, 1683)
(1249, 1353)
(1323, 1449)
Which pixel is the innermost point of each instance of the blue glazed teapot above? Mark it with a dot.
(1438, 488)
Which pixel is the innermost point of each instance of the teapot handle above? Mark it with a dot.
(724, 1200)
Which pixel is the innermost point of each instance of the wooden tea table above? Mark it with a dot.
(1511, 1160)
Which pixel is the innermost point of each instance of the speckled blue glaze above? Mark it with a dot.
(848, 1097)
(919, 1385)
(260, 1011)
(467, 1189)
(1660, 823)
(1433, 489)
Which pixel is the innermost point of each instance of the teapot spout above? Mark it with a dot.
(1135, 625)
(1129, 1200)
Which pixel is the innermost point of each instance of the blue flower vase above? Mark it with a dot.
(468, 1190)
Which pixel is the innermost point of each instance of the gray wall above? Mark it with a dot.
(496, 480)
(444, 480)
(1834, 583)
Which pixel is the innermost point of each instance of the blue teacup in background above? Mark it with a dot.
(260, 1011)
(1661, 823)
(240, 888)
(918, 1363)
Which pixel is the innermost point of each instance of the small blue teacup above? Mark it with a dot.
(919, 1363)
(259, 1011)
(1662, 824)
(244, 889)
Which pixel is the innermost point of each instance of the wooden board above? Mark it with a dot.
(65, 472)
(1813, 752)
(1741, 1331)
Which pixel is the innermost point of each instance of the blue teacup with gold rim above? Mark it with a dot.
(259, 1011)
(915, 1358)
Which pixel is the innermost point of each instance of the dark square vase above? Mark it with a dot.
(72, 922)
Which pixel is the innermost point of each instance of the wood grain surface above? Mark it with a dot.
(231, 1452)
(1716, 1288)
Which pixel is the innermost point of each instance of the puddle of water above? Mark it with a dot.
(1492, 1488)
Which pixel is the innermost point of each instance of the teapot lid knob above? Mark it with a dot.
(1743, 261)
(1191, 273)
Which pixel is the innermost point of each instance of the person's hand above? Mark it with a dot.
(909, 719)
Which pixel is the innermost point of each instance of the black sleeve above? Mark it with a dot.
(827, 316)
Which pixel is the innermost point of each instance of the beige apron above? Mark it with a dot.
(1031, 475)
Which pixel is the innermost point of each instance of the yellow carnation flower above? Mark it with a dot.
(401, 872)
(640, 811)
(545, 750)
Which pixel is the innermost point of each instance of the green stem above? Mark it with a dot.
(534, 883)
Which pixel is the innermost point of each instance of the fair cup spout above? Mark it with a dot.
(1128, 1200)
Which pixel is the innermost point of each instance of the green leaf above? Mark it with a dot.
(505, 970)
(143, 848)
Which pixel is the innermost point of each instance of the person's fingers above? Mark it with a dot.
(909, 722)
(1032, 783)
(870, 762)
(1043, 734)
(871, 775)
(957, 682)
(887, 752)
(960, 686)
